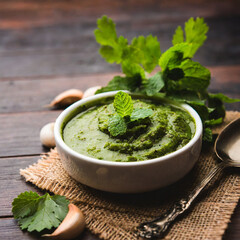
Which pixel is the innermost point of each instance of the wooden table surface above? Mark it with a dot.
(47, 47)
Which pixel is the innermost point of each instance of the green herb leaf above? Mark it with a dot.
(36, 213)
(195, 33)
(122, 83)
(154, 84)
(223, 98)
(117, 125)
(213, 122)
(136, 58)
(207, 135)
(123, 104)
(196, 77)
(112, 46)
(178, 36)
(140, 113)
(148, 51)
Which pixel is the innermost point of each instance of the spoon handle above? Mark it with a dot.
(158, 227)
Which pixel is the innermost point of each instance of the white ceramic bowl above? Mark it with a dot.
(126, 177)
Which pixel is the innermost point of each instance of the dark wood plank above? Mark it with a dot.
(9, 230)
(20, 132)
(24, 95)
(12, 184)
(57, 38)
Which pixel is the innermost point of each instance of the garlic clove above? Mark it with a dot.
(90, 91)
(66, 98)
(47, 135)
(72, 225)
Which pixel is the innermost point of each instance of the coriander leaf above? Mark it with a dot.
(123, 104)
(117, 125)
(140, 113)
(112, 46)
(224, 98)
(36, 213)
(132, 69)
(178, 36)
(154, 84)
(25, 204)
(207, 135)
(195, 34)
(114, 54)
(148, 51)
(122, 83)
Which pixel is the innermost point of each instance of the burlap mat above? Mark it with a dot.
(115, 216)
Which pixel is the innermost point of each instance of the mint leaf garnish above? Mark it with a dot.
(125, 114)
(123, 104)
(117, 125)
(36, 213)
(140, 113)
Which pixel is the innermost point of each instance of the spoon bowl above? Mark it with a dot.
(227, 145)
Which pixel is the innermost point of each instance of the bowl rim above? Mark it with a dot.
(67, 111)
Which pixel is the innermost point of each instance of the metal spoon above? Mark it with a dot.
(227, 148)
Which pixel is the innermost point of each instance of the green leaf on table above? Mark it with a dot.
(154, 84)
(123, 104)
(36, 213)
(140, 113)
(117, 125)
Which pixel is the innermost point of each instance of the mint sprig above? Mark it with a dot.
(180, 78)
(125, 114)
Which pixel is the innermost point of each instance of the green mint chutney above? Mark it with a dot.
(166, 130)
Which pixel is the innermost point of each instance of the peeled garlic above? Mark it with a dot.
(47, 135)
(66, 98)
(90, 91)
(72, 225)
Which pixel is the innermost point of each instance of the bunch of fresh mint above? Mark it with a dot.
(180, 77)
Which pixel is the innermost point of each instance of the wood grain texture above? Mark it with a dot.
(25, 95)
(20, 132)
(46, 39)
(9, 231)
